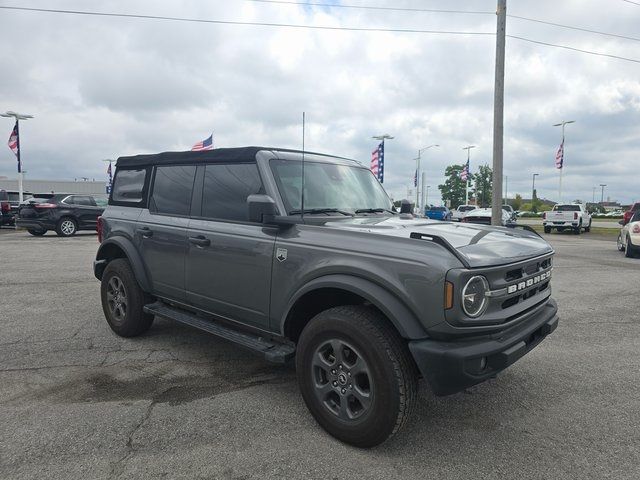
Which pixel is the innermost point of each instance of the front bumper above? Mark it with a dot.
(452, 366)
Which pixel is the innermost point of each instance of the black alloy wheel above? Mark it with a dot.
(356, 374)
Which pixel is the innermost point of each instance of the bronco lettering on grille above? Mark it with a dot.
(516, 287)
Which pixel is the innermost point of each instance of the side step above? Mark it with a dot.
(272, 351)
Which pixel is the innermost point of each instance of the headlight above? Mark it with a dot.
(474, 296)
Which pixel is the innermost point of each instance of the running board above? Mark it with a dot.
(273, 351)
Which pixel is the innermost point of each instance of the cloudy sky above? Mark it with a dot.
(100, 87)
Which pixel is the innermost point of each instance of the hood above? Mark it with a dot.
(480, 245)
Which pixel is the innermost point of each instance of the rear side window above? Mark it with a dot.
(82, 200)
(172, 189)
(128, 186)
(226, 188)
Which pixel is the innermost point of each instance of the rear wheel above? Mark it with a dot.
(356, 375)
(36, 233)
(66, 227)
(629, 250)
(547, 229)
(123, 300)
(588, 227)
(578, 230)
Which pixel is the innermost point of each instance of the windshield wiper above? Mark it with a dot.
(375, 210)
(320, 210)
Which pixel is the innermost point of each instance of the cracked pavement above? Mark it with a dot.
(76, 401)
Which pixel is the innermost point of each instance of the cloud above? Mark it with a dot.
(103, 87)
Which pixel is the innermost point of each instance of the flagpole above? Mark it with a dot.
(466, 189)
(18, 117)
(563, 123)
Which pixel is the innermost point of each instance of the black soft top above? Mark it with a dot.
(239, 154)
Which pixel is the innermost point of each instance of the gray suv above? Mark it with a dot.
(318, 267)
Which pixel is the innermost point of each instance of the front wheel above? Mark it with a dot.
(356, 375)
(629, 251)
(123, 300)
(619, 243)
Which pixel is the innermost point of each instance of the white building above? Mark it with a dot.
(56, 186)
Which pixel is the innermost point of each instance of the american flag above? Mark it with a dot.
(109, 178)
(560, 156)
(206, 144)
(14, 144)
(377, 162)
(464, 174)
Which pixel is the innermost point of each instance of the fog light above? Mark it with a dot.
(483, 363)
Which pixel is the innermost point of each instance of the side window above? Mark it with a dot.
(70, 200)
(83, 200)
(100, 201)
(172, 189)
(226, 188)
(128, 186)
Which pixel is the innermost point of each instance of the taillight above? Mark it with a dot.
(45, 205)
(636, 228)
(544, 215)
(575, 215)
(99, 229)
(5, 207)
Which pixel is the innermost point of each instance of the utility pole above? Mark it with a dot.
(533, 187)
(602, 185)
(420, 179)
(506, 189)
(466, 187)
(563, 123)
(593, 198)
(18, 117)
(498, 115)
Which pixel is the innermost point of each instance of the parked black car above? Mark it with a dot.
(9, 203)
(63, 212)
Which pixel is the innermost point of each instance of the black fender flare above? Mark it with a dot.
(402, 318)
(131, 253)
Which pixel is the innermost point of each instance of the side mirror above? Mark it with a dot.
(262, 208)
(621, 222)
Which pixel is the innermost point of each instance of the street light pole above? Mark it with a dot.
(427, 201)
(466, 187)
(18, 117)
(420, 178)
(602, 195)
(563, 123)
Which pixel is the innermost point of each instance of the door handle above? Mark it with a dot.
(200, 241)
(146, 232)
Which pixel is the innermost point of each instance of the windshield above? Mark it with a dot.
(437, 209)
(466, 209)
(328, 185)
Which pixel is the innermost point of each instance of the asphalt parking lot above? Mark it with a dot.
(78, 402)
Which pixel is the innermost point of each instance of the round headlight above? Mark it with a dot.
(474, 296)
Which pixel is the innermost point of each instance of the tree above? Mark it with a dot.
(482, 185)
(516, 203)
(453, 187)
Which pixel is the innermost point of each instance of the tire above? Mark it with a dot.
(587, 229)
(66, 227)
(370, 380)
(619, 243)
(547, 229)
(629, 251)
(36, 233)
(578, 230)
(123, 300)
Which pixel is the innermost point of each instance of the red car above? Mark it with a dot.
(629, 213)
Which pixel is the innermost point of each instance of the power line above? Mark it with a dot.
(570, 27)
(629, 1)
(574, 49)
(370, 7)
(229, 22)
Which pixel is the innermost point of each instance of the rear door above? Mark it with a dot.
(86, 211)
(228, 268)
(161, 231)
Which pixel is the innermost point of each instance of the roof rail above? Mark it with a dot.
(524, 227)
(443, 243)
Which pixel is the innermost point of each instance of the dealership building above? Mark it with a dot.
(57, 186)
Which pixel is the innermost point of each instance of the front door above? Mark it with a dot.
(228, 268)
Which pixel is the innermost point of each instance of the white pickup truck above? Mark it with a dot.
(458, 214)
(567, 216)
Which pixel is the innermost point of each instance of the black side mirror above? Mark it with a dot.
(621, 222)
(262, 208)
